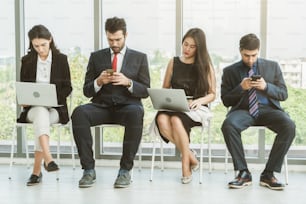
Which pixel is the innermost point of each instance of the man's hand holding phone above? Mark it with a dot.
(255, 77)
(257, 82)
(105, 77)
(110, 71)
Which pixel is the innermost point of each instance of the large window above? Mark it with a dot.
(150, 24)
(286, 43)
(154, 28)
(286, 29)
(7, 71)
(151, 29)
(71, 25)
(224, 22)
(70, 22)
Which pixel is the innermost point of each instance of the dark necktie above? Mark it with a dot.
(253, 102)
(114, 63)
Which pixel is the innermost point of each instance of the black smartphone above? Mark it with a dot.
(110, 71)
(255, 77)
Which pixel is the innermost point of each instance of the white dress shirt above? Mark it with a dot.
(120, 57)
(43, 73)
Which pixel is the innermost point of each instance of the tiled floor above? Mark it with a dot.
(165, 188)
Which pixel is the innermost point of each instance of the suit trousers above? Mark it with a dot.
(42, 118)
(130, 116)
(274, 119)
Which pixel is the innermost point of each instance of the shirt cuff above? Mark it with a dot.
(96, 86)
(130, 88)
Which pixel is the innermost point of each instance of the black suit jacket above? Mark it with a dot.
(232, 93)
(60, 76)
(134, 67)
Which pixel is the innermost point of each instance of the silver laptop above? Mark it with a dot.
(169, 99)
(36, 94)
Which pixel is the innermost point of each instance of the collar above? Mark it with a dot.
(49, 58)
(255, 65)
(122, 51)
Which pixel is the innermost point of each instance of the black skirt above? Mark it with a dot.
(188, 123)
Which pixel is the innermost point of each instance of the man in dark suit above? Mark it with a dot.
(116, 98)
(254, 100)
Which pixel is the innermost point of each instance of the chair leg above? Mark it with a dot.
(14, 134)
(209, 147)
(139, 156)
(132, 174)
(59, 131)
(201, 156)
(24, 136)
(162, 155)
(225, 161)
(72, 147)
(286, 169)
(93, 131)
(153, 160)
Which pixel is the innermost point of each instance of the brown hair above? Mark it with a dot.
(202, 60)
(249, 42)
(115, 24)
(40, 31)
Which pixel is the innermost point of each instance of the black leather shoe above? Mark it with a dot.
(123, 179)
(269, 180)
(243, 179)
(88, 178)
(34, 180)
(52, 166)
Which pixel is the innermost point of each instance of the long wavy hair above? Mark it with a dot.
(202, 60)
(40, 31)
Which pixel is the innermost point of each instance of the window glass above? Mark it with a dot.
(70, 22)
(150, 24)
(286, 29)
(286, 43)
(151, 29)
(7, 70)
(224, 23)
(71, 25)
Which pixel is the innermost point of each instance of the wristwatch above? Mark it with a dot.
(129, 83)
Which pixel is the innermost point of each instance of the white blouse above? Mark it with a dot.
(44, 69)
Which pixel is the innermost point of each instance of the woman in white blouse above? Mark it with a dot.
(44, 64)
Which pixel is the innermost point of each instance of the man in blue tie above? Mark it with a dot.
(253, 88)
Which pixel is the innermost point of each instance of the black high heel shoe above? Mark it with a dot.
(52, 166)
(34, 179)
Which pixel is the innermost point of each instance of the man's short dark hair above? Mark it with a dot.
(249, 42)
(115, 24)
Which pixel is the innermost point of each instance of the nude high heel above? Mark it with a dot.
(195, 167)
(186, 179)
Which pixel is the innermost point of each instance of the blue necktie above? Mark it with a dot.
(253, 102)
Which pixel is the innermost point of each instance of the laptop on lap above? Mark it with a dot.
(36, 94)
(169, 99)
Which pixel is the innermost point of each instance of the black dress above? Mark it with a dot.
(184, 76)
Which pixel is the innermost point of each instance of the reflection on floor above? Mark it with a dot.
(165, 188)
